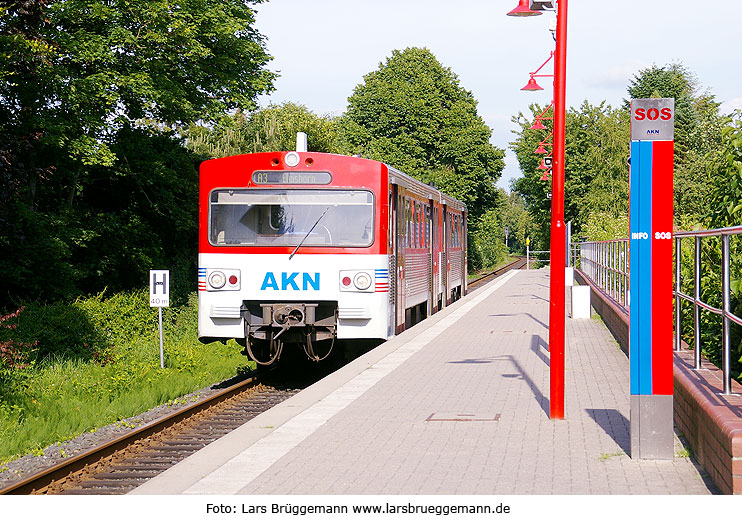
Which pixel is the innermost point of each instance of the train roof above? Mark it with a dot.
(395, 176)
(411, 183)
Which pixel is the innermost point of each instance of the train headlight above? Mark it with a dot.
(357, 281)
(217, 279)
(291, 158)
(362, 281)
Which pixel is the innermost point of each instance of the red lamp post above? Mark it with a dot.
(558, 229)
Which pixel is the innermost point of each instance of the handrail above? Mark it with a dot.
(607, 264)
(698, 305)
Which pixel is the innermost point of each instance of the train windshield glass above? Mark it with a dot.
(284, 217)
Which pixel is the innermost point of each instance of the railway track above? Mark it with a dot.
(121, 465)
(520, 262)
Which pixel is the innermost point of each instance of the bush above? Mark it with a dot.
(100, 363)
(486, 242)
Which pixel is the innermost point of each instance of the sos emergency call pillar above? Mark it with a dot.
(651, 272)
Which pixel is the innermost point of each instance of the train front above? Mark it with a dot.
(293, 252)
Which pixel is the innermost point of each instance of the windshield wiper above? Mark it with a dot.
(310, 231)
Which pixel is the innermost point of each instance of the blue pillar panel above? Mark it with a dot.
(640, 300)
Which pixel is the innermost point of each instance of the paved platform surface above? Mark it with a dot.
(456, 405)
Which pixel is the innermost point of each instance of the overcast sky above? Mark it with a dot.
(323, 48)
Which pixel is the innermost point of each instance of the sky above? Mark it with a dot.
(323, 48)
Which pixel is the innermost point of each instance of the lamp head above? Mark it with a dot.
(532, 85)
(524, 9)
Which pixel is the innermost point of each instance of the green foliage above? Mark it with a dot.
(726, 198)
(109, 369)
(269, 129)
(412, 114)
(94, 188)
(596, 171)
(697, 133)
(487, 245)
(517, 220)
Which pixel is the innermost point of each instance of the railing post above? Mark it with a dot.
(677, 292)
(697, 303)
(725, 311)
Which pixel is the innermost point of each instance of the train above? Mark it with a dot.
(303, 250)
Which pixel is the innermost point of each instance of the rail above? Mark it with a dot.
(529, 259)
(606, 263)
(725, 311)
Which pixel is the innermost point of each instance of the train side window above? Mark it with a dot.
(417, 226)
(427, 226)
(413, 233)
(407, 223)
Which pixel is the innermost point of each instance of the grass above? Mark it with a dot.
(609, 455)
(96, 362)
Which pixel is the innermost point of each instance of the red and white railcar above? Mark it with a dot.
(303, 249)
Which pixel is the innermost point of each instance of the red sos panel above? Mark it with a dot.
(651, 274)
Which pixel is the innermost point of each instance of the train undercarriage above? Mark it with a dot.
(271, 326)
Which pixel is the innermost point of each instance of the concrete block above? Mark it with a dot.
(580, 302)
(569, 276)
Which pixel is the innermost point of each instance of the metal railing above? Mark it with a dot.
(530, 259)
(607, 265)
(725, 310)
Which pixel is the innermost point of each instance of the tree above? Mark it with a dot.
(412, 114)
(269, 129)
(697, 134)
(725, 199)
(596, 171)
(84, 81)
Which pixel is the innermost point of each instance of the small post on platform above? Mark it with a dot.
(651, 269)
(159, 297)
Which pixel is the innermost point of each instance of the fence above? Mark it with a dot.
(607, 265)
(529, 259)
(725, 311)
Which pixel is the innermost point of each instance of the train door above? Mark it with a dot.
(444, 254)
(401, 243)
(465, 254)
(434, 249)
(392, 265)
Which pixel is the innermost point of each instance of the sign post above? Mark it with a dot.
(159, 297)
(650, 295)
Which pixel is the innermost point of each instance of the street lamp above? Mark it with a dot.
(558, 229)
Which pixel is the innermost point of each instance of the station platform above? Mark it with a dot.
(458, 404)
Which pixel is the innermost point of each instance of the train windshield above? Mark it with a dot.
(284, 217)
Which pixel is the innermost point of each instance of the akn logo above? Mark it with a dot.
(289, 281)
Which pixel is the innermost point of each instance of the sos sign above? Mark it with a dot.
(653, 119)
